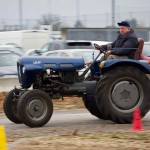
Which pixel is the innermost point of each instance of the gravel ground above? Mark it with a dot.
(74, 140)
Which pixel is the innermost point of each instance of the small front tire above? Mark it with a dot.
(10, 106)
(35, 108)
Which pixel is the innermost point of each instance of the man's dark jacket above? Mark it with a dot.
(124, 45)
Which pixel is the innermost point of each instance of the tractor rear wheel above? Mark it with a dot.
(121, 91)
(90, 102)
(91, 106)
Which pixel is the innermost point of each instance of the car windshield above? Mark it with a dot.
(8, 59)
(44, 48)
(78, 45)
(146, 49)
(65, 45)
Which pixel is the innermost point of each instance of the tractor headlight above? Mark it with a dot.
(23, 70)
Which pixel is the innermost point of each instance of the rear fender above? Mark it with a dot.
(112, 64)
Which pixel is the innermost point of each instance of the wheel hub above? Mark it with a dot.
(36, 108)
(125, 95)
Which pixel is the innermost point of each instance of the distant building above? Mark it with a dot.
(99, 34)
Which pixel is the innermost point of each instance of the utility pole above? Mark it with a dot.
(113, 12)
(20, 15)
(77, 10)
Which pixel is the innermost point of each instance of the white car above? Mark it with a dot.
(88, 55)
(8, 70)
(64, 44)
(12, 48)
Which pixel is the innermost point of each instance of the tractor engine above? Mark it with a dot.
(53, 82)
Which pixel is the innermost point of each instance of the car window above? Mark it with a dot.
(8, 59)
(65, 45)
(45, 48)
(55, 46)
(78, 45)
(146, 49)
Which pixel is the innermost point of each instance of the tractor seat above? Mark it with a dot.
(138, 52)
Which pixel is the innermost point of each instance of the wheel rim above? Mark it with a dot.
(36, 109)
(126, 94)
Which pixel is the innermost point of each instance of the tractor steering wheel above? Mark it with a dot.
(98, 47)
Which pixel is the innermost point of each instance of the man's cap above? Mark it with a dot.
(124, 23)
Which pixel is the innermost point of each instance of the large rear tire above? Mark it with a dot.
(35, 108)
(91, 106)
(121, 91)
(90, 102)
(10, 106)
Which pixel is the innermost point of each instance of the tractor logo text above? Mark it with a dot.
(36, 62)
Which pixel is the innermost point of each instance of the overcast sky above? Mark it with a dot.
(33, 9)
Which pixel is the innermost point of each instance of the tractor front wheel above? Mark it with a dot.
(10, 106)
(35, 108)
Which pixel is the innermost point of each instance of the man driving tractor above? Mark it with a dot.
(124, 46)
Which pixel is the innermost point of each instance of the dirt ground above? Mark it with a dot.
(98, 141)
(2, 95)
(75, 140)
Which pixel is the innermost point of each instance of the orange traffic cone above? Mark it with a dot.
(137, 124)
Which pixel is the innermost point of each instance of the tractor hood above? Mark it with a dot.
(45, 62)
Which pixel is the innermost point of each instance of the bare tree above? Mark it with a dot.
(78, 24)
(133, 23)
(50, 19)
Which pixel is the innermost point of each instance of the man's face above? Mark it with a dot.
(123, 30)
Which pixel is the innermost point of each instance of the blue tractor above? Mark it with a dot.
(112, 90)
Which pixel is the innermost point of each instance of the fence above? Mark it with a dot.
(139, 19)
